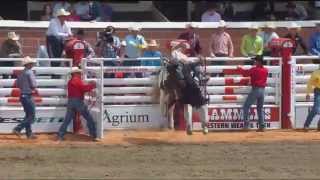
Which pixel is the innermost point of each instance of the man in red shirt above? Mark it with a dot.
(76, 90)
(77, 48)
(258, 75)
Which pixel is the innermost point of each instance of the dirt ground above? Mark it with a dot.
(275, 154)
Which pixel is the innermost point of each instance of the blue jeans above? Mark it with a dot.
(257, 93)
(29, 109)
(77, 105)
(315, 109)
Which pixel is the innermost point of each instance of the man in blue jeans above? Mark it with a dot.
(76, 90)
(258, 75)
(26, 82)
(313, 84)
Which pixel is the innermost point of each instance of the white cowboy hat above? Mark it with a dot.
(62, 12)
(123, 43)
(270, 25)
(134, 28)
(254, 26)
(27, 60)
(75, 70)
(294, 25)
(222, 23)
(153, 43)
(13, 36)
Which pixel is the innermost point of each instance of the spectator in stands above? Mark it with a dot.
(263, 10)
(314, 43)
(42, 53)
(87, 10)
(252, 44)
(267, 35)
(73, 16)
(220, 43)
(135, 45)
(105, 12)
(151, 51)
(26, 82)
(108, 46)
(61, 5)
(228, 11)
(94, 11)
(47, 14)
(293, 34)
(193, 39)
(10, 48)
(76, 90)
(211, 14)
(78, 48)
(58, 31)
(295, 12)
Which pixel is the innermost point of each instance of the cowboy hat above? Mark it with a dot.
(13, 36)
(134, 28)
(153, 43)
(27, 60)
(75, 70)
(62, 12)
(258, 58)
(191, 25)
(222, 23)
(254, 26)
(294, 25)
(123, 43)
(270, 25)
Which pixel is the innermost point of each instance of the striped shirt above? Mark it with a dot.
(221, 43)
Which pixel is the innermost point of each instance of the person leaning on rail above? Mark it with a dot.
(258, 75)
(26, 82)
(313, 83)
(76, 90)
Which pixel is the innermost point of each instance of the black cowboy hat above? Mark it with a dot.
(110, 29)
(258, 58)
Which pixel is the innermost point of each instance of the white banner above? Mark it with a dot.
(301, 113)
(229, 118)
(48, 119)
(133, 117)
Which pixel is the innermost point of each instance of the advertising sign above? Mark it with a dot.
(48, 119)
(227, 118)
(133, 117)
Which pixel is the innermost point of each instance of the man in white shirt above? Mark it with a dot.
(58, 31)
(211, 14)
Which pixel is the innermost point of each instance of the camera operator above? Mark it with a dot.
(108, 46)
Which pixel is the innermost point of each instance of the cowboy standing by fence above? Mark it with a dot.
(76, 91)
(26, 82)
(313, 83)
(258, 76)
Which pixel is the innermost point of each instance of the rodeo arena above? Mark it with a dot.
(160, 90)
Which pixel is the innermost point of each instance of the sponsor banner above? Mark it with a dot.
(47, 120)
(133, 117)
(301, 113)
(228, 118)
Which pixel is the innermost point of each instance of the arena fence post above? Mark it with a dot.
(286, 98)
